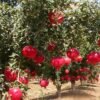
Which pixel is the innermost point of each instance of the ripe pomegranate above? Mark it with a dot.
(78, 58)
(51, 46)
(44, 83)
(72, 53)
(56, 17)
(39, 59)
(77, 77)
(10, 75)
(66, 71)
(29, 52)
(15, 93)
(33, 73)
(93, 58)
(23, 80)
(67, 78)
(67, 61)
(57, 62)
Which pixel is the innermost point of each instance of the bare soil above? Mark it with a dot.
(85, 92)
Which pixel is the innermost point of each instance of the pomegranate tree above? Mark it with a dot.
(52, 39)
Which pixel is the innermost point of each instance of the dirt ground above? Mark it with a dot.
(85, 92)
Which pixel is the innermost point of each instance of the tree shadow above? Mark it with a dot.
(69, 94)
(91, 85)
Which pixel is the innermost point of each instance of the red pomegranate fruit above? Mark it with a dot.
(66, 71)
(77, 77)
(39, 59)
(10, 75)
(67, 61)
(57, 62)
(56, 17)
(78, 58)
(15, 93)
(51, 46)
(23, 80)
(93, 58)
(33, 73)
(67, 78)
(72, 53)
(29, 52)
(44, 83)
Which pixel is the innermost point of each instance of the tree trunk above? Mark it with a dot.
(58, 85)
(81, 82)
(58, 92)
(73, 85)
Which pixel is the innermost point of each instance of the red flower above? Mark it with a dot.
(57, 62)
(72, 53)
(44, 83)
(56, 17)
(15, 93)
(39, 59)
(93, 58)
(29, 52)
(51, 46)
(10, 75)
(23, 80)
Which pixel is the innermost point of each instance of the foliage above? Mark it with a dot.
(27, 23)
